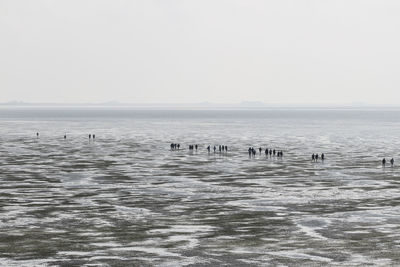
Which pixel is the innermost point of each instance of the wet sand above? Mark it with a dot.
(127, 199)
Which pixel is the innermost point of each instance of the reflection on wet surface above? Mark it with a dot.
(126, 198)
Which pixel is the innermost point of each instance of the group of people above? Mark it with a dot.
(251, 150)
(315, 157)
(270, 152)
(221, 148)
(391, 162)
(175, 146)
(192, 147)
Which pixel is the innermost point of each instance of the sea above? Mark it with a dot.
(126, 199)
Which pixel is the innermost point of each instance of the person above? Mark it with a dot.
(196, 146)
(266, 152)
(250, 151)
(392, 162)
(316, 157)
(90, 136)
(270, 152)
(223, 148)
(37, 135)
(219, 147)
(313, 157)
(94, 137)
(215, 148)
(274, 152)
(260, 149)
(65, 136)
(254, 152)
(226, 148)
(384, 162)
(208, 148)
(281, 153)
(179, 145)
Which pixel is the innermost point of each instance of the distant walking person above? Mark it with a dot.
(322, 157)
(384, 162)
(179, 145)
(37, 135)
(65, 136)
(90, 136)
(208, 148)
(226, 148)
(215, 148)
(392, 162)
(94, 137)
(313, 157)
(260, 149)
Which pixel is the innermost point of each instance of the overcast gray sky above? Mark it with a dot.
(182, 51)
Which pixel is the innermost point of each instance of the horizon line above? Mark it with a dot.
(204, 104)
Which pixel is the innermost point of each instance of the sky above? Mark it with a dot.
(184, 51)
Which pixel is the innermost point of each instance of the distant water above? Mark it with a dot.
(126, 199)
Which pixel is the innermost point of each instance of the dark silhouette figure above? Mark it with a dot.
(384, 162)
(37, 135)
(392, 162)
(208, 148)
(65, 136)
(250, 152)
(266, 152)
(322, 157)
(223, 148)
(179, 145)
(94, 137)
(226, 148)
(273, 152)
(215, 148)
(219, 148)
(316, 157)
(270, 152)
(196, 146)
(254, 152)
(260, 149)
(90, 136)
(313, 157)
(281, 153)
